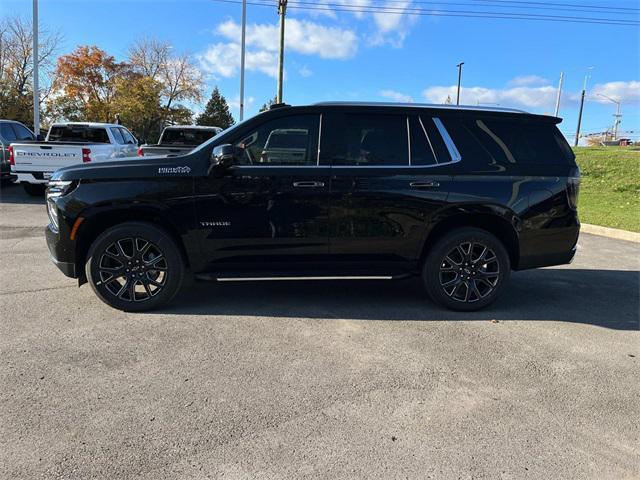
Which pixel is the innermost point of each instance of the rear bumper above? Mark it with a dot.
(32, 177)
(550, 247)
(56, 249)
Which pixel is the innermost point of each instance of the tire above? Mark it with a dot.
(120, 267)
(34, 189)
(461, 275)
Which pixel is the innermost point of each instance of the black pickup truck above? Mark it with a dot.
(457, 196)
(179, 139)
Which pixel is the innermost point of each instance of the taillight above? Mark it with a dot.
(140, 152)
(86, 155)
(573, 188)
(12, 159)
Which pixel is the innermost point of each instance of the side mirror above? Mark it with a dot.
(222, 155)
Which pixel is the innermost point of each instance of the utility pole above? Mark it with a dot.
(36, 87)
(282, 10)
(559, 94)
(459, 80)
(242, 48)
(584, 91)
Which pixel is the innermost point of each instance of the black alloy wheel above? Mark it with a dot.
(135, 267)
(466, 269)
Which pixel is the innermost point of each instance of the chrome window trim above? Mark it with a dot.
(453, 151)
(409, 141)
(433, 152)
(319, 138)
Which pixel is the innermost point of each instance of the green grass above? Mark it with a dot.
(610, 188)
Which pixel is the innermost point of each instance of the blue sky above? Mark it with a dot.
(367, 57)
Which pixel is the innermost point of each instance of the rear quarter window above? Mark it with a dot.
(487, 141)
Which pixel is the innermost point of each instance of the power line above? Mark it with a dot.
(442, 13)
(604, 7)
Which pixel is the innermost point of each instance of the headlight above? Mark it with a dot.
(52, 210)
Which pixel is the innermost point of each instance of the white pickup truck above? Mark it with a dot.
(67, 144)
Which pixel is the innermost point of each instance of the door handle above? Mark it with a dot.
(308, 184)
(424, 184)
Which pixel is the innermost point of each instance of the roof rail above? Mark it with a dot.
(424, 105)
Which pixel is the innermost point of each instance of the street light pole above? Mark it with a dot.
(242, 49)
(559, 94)
(36, 86)
(282, 10)
(459, 81)
(617, 115)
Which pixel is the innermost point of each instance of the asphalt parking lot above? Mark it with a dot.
(318, 380)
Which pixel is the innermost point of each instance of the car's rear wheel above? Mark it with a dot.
(34, 189)
(135, 267)
(467, 269)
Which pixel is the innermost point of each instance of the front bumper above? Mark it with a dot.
(55, 249)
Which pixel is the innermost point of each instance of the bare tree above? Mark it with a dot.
(180, 78)
(16, 66)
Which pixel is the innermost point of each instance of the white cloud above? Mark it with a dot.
(301, 36)
(223, 60)
(305, 71)
(528, 81)
(396, 96)
(234, 103)
(393, 28)
(540, 97)
(624, 92)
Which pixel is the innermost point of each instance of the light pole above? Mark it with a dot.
(36, 86)
(459, 80)
(282, 10)
(242, 48)
(617, 115)
(584, 91)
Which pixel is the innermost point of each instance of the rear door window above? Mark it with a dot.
(427, 146)
(117, 135)
(78, 133)
(369, 140)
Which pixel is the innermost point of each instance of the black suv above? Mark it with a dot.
(460, 196)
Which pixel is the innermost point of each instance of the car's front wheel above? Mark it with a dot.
(135, 267)
(467, 269)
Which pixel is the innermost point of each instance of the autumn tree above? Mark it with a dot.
(16, 68)
(216, 112)
(88, 77)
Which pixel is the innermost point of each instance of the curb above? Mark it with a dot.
(610, 232)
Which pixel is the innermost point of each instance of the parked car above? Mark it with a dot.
(458, 196)
(179, 139)
(11, 131)
(67, 144)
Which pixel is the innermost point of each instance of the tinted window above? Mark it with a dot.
(22, 133)
(78, 133)
(525, 143)
(369, 140)
(117, 135)
(427, 146)
(7, 132)
(190, 137)
(128, 138)
(465, 135)
(283, 141)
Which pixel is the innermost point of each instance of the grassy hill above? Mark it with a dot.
(610, 188)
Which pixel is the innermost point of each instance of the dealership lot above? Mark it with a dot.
(307, 379)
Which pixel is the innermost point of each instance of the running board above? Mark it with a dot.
(216, 278)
